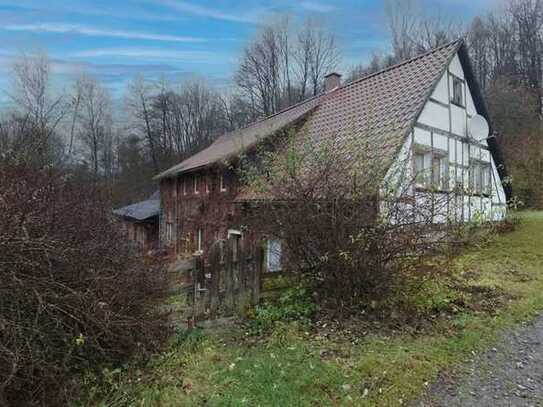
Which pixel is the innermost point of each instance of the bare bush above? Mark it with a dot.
(73, 298)
(355, 225)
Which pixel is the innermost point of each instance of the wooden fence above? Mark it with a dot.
(227, 280)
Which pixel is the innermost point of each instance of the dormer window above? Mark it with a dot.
(457, 91)
(196, 181)
(222, 183)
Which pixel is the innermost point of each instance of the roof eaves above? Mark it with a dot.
(172, 172)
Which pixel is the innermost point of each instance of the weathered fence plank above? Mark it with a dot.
(227, 280)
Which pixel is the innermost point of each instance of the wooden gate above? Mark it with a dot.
(227, 280)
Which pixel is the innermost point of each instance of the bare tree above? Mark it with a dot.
(414, 31)
(38, 111)
(138, 100)
(282, 66)
(95, 124)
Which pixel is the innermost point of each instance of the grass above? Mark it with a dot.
(299, 368)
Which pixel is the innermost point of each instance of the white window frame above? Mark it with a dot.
(480, 178)
(270, 256)
(422, 177)
(169, 232)
(199, 239)
(442, 183)
(222, 186)
(425, 178)
(195, 183)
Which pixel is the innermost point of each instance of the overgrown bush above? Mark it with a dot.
(350, 223)
(74, 299)
(294, 304)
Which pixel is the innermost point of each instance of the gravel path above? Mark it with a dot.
(510, 374)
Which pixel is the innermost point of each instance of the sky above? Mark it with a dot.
(113, 40)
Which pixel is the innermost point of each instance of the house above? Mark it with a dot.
(427, 111)
(140, 222)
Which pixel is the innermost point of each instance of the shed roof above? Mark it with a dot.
(141, 211)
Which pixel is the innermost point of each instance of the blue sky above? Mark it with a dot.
(114, 40)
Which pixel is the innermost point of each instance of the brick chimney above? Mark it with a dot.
(332, 81)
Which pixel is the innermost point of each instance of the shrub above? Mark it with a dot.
(351, 224)
(73, 297)
(294, 304)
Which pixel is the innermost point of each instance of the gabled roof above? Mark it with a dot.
(141, 211)
(380, 108)
(234, 143)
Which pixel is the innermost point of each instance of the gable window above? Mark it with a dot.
(222, 184)
(457, 91)
(195, 184)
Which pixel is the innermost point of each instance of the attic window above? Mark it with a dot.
(458, 91)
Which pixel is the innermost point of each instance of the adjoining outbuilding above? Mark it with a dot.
(140, 222)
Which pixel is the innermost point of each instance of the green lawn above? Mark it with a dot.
(297, 368)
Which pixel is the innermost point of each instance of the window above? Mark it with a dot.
(440, 172)
(480, 178)
(208, 181)
(273, 255)
(222, 183)
(421, 168)
(184, 185)
(431, 170)
(458, 91)
(199, 237)
(169, 232)
(195, 182)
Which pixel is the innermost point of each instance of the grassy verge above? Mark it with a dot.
(295, 367)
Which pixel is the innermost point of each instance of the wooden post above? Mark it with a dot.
(257, 273)
(242, 273)
(229, 276)
(214, 270)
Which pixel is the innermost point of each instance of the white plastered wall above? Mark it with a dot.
(442, 126)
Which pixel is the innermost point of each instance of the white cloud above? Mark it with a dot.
(149, 53)
(317, 7)
(186, 7)
(98, 32)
